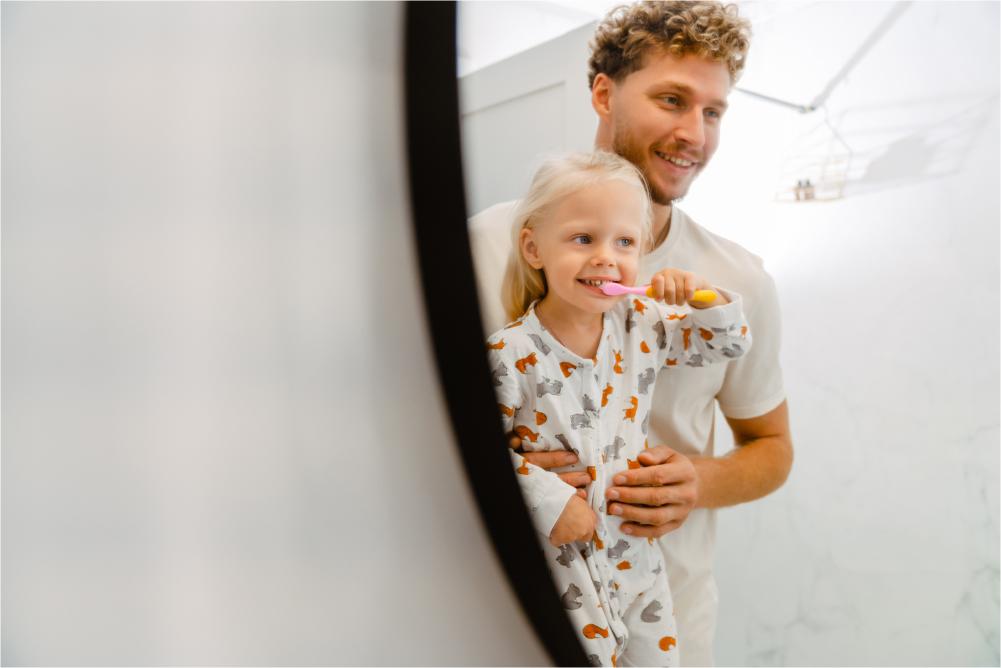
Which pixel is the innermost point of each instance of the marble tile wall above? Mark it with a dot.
(882, 548)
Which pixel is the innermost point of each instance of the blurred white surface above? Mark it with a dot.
(217, 449)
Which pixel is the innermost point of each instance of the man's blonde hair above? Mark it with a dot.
(555, 179)
(628, 33)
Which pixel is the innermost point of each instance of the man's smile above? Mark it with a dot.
(677, 161)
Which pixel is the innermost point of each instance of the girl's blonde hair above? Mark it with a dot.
(557, 178)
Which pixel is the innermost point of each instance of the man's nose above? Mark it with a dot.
(692, 130)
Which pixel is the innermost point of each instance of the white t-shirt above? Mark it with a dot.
(684, 406)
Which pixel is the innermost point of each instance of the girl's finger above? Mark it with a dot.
(658, 286)
(680, 289)
(689, 286)
(669, 290)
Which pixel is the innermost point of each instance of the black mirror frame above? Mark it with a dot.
(438, 203)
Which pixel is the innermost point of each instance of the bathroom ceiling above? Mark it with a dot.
(491, 30)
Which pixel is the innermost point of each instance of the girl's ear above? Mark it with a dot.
(529, 249)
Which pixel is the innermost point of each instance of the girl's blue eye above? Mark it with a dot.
(582, 238)
(624, 242)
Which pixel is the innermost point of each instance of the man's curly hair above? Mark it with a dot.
(708, 29)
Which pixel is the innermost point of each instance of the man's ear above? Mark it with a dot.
(601, 95)
(529, 249)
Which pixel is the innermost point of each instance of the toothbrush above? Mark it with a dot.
(616, 289)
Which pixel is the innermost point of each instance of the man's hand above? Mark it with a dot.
(551, 460)
(657, 498)
(576, 522)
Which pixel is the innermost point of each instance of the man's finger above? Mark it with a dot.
(649, 516)
(576, 478)
(662, 474)
(653, 496)
(549, 460)
(646, 531)
(658, 454)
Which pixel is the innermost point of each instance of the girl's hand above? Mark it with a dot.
(677, 287)
(577, 522)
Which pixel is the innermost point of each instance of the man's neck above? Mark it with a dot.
(661, 224)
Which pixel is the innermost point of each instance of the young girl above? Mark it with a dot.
(575, 371)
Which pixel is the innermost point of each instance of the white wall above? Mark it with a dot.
(882, 548)
(221, 439)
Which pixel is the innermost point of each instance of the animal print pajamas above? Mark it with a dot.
(613, 587)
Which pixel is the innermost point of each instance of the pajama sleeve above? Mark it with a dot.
(703, 336)
(544, 492)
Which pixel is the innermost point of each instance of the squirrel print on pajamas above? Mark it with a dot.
(695, 360)
(524, 433)
(616, 551)
(612, 450)
(571, 597)
(566, 444)
(661, 332)
(645, 380)
(525, 362)
(540, 344)
(547, 386)
(497, 373)
(631, 411)
(566, 555)
(732, 351)
(650, 613)
(592, 631)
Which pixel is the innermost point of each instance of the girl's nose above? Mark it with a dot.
(602, 258)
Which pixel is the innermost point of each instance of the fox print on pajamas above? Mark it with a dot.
(615, 587)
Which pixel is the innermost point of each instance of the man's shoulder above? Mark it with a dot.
(717, 244)
(493, 217)
(724, 261)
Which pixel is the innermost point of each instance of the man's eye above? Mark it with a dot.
(671, 99)
(712, 113)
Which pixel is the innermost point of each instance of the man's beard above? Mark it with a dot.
(623, 144)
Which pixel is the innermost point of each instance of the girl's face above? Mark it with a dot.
(590, 237)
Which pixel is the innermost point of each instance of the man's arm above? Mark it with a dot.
(755, 468)
(657, 498)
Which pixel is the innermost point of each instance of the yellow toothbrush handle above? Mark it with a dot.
(699, 296)
(704, 296)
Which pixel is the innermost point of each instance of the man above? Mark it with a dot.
(660, 74)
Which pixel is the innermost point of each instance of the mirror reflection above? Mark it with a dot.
(790, 193)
